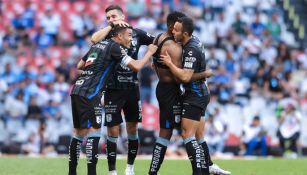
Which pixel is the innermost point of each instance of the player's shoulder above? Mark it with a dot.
(139, 32)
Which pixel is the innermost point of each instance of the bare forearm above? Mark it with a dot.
(137, 65)
(181, 74)
(100, 34)
(201, 75)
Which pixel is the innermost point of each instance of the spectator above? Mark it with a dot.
(51, 23)
(15, 108)
(254, 137)
(216, 133)
(257, 27)
(135, 9)
(239, 26)
(222, 29)
(34, 111)
(274, 27)
(289, 128)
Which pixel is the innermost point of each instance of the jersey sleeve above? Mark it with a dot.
(144, 37)
(84, 58)
(190, 56)
(119, 54)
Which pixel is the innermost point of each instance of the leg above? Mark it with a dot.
(133, 141)
(159, 150)
(133, 115)
(114, 102)
(200, 132)
(189, 128)
(113, 133)
(92, 150)
(74, 150)
(251, 146)
(263, 146)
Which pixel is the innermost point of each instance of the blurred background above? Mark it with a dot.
(256, 48)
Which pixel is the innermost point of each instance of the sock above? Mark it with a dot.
(92, 151)
(194, 154)
(74, 153)
(133, 145)
(111, 152)
(205, 147)
(204, 164)
(158, 155)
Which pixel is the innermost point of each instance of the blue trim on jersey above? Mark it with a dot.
(195, 89)
(167, 124)
(88, 123)
(100, 82)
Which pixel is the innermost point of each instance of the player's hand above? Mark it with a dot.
(152, 49)
(165, 59)
(209, 73)
(120, 23)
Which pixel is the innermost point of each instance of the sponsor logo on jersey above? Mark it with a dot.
(188, 65)
(98, 119)
(109, 117)
(91, 58)
(177, 118)
(79, 82)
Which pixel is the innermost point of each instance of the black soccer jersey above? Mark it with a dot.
(100, 61)
(194, 58)
(123, 77)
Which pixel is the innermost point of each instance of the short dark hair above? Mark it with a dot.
(187, 25)
(173, 17)
(114, 7)
(119, 29)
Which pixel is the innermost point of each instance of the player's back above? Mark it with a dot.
(165, 44)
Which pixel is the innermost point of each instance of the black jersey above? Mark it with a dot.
(194, 58)
(156, 56)
(123, 77)
(100, 61)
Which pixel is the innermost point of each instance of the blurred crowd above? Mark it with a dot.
(258, 91)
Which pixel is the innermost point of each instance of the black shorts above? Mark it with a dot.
(170, 104)
(191, 108)
(86, 113)
(117, 100)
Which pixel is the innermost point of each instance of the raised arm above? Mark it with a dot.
(103, 33)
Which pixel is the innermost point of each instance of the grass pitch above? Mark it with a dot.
(59, 166)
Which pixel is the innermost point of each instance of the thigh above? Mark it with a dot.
(86, 113)
(133, 107)
(113, 104)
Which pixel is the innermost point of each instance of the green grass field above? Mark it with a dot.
(58, 166)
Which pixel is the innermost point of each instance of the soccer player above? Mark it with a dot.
(97, 65)
(122, 93)
(196, 95)
(168, 91)
(170, 105)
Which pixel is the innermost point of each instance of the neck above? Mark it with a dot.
(186, 40)
(116, 40)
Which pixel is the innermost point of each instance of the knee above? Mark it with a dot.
(131, 128)
(186, 134)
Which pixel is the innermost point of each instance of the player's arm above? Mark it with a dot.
(103, 33)
(201, 75)
(81, 63)
(184, 75)
(119, 53)
(137, 65)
